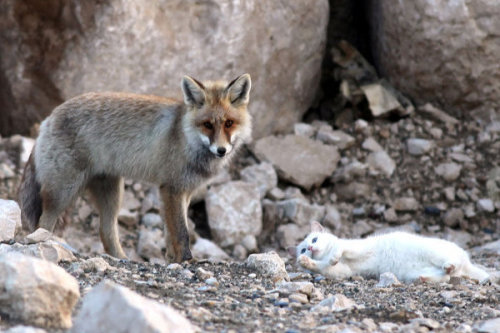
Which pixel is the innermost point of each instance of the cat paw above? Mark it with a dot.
(333, 262)
(449, 268)
(304, 261)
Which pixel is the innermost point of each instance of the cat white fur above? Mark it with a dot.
(408, 256)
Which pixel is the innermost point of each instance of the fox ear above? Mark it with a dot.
(292, 250)
(193, 90)
(239, 90)
(316, 227)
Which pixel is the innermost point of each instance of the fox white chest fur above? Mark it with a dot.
(408, 256)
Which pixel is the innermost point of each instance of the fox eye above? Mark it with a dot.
(303, 250)
(229, 123)
(208, 125)
(315, 239)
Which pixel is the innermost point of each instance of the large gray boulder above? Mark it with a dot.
(444, 52)
(53, 50)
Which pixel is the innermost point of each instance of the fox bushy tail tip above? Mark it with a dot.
(29, 196)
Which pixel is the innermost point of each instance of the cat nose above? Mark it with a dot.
(310, 248)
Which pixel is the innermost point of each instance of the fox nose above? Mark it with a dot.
(221, 151)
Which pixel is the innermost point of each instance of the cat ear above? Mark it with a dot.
(316, 227)
(292, 250)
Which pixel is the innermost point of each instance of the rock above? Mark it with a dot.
(288, 288)
(304, 129)
(250, 243)
(24, 329)
(152, 220)
(406, 204)
(39, 235)
(269, 265)
(300, 211)
(380, 99)
(372, 145)
(298, 159)
(130, 313)
(485, 205)
(37, 292)
(290, 235)
(492, 247)
(453, 217)
(240, 252)
(492, 184)
(419, 146)
(437, 114)
(488, 326)
(390, 215)
(203, 274)
(382, 162)
(460, 237)
(127, 217)
(234, 211)
(335, 303)
(449, 171)
(468, 82)
(130, 202)
(332, 219)
(93, 36)
(6, 171)
(206, 249)
(49, 250)
(350, 171)
(327, 135)
(353, 190)
(387, 280)
(10, 219)
(263, 175)
(150, 243)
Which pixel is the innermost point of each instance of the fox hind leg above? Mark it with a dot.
(107, 193)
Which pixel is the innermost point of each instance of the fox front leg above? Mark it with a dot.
(175, 213)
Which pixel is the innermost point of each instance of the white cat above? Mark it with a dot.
(408, 256)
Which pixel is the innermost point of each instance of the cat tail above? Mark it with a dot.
(475, 273)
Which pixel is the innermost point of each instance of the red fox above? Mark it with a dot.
(94, 140)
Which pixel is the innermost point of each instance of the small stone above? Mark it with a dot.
(372, 145)
(488, 326)
(98, 265)
(299, 298)
(449, 171)
(340, 139)
(84, 212)
(485, 205)
(250, 243)
(206, 249)
(290, 234)
(419, 146)
(39, 235)
(130, 202)
(360, 125)
(127, 217)
(276, 194)
(129, 312)
(24, 329)
(152, 220)
(426, 322)
(240, 252)
(388, 279)
(269, 265)
(390, 215)
(380, 99)
(6, 172)
(332, 218)
(453, 217)
(10, 219)
(174, 267)
(203, 274)
(288, 288)
(150, 243)
(304, 129)
(382, 162)
(50, 250)
(335, 303)
(301, 211)
(212, 282)
(406, 204)
(353, 190)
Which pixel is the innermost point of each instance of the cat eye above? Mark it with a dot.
(315, 239)
(208, 125)
(303, 250)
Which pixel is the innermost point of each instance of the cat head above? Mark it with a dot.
(316, 244)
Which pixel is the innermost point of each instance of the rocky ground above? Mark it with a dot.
(425, 172)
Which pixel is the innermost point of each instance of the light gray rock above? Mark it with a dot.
(234, 211)
(328, 135)
(449, 171)
(350, 171)
(492, 184)
(129, 312)
(25, 329)
(39, 235)
(485, 205)
(250, 243)
(96, 264)
(10, 219)
(37, 292)
(461, 35)
(380, 99)
(219, 42)
(152, 220)
(387, 280)
(453, 217)
(298, 159)
(127, 217)
(332, 219)
(301, 211)
(263, 175)
(492, 247)
(353, 190)
(290, 235)
(372, 145)
(335, 303)
(382, 162)
(287, 288)
(150, 243)
(49, 250)
(488, 326)
(406, 204)
(304, 129)
(418, 146)
(6, 171)
(437, 114)
(268, 265)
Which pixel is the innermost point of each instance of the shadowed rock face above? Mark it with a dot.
(444, 52)
(53, 50)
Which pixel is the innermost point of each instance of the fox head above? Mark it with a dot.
(217, 113)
